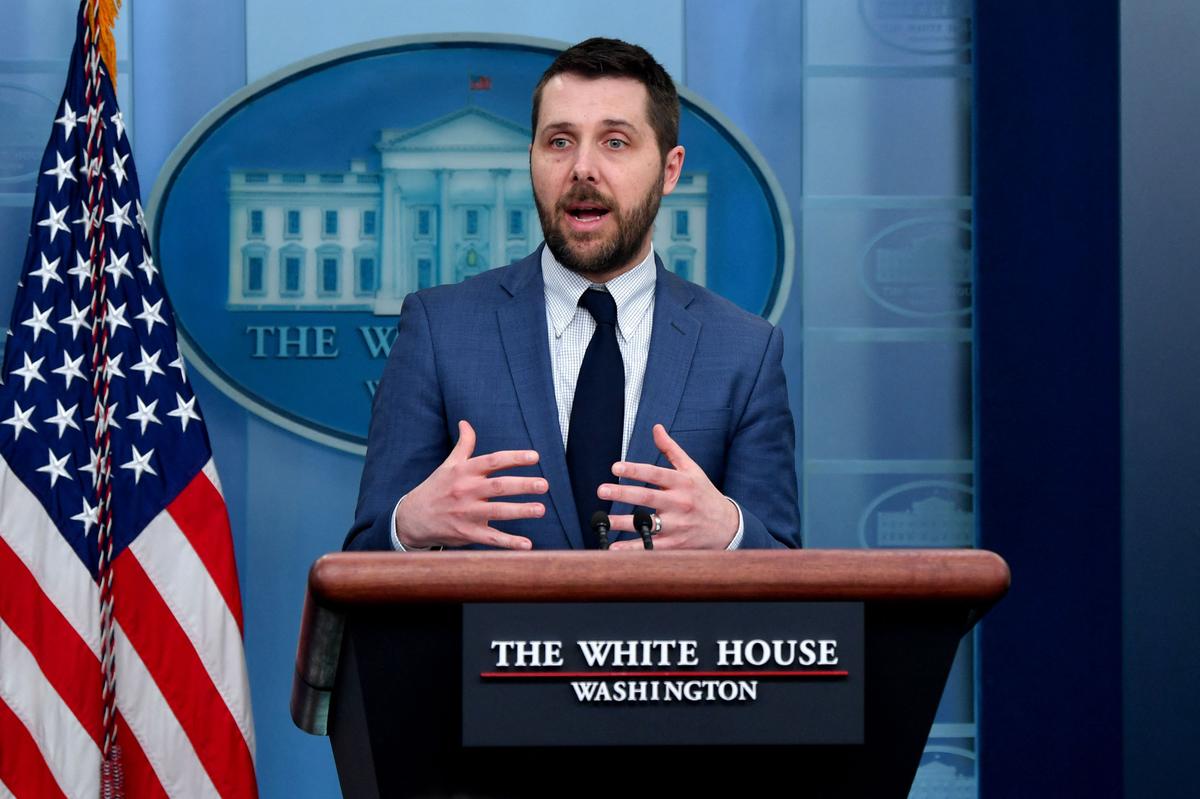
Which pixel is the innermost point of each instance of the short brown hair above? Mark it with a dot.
(613, 58)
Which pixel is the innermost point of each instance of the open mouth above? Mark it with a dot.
(587, 212)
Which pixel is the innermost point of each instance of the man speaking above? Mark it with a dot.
(585, 376)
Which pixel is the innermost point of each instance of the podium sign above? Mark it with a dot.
(520, 675)
(662, 674)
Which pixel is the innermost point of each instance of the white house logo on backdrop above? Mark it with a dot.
(920, 268)
(945, 772)
(923, 513)
(293, 220)
(451, 200)
(928, 27)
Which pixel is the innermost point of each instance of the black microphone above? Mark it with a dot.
(601, 526)
(644, 524)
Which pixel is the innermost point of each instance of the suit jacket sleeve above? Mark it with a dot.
(409, 435)
(760, 473)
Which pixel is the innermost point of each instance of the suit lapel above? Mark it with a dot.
(672, 345)
(522, 323)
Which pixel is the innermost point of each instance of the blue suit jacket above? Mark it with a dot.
(478, 351)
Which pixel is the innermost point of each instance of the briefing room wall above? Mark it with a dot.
(291, 499)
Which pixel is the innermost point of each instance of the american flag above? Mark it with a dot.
(121, 662)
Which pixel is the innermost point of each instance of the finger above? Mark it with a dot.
(512, 486)
(631, 544)
(465, 445)
(626, 545)
(664, 478)
(667, 446)
(660, 542)
(494, 538)
(504, 459)
(634, 495)
(622, 523)
(499, 511)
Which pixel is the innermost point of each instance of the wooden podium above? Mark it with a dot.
(379, 667)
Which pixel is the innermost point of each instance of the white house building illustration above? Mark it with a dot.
(930, 522)
(452, 199)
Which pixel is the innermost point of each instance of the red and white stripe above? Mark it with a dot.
(184, 722)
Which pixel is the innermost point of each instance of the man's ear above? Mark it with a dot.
(672, 168)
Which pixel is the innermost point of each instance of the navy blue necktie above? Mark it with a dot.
(597, 413)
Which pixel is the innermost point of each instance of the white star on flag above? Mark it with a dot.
(119, 217)
(116, 318)
(38, 321)
(185, 411)
(148, 365)
(54, 221)
(68, 120)
(87, 218)
(63, 171)
(82, 270)
(112, 366)
(91, 168)
(145, 414)
(47, 271)
(147, 265)
(32, 370)
(93, 467)
(118, 168)
(77, 320)
(178, 364)
(20, 419)
(118, 120)
(89, 516)
(95, 116)
(56, 468)
(151, 315)
(116, 267)
(139, 463)
(64, 418)
(110, 416)
(70, 369)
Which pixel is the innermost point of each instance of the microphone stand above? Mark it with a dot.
(644, 525)
(600, 526)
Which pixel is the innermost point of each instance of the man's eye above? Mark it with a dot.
(616, 144)
(559, 143)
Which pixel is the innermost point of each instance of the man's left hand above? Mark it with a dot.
(694, 514)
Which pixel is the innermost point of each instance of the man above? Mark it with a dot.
(584, 377)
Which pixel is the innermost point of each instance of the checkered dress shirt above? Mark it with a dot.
(570, 329)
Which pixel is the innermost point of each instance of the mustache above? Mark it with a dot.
(583, 193)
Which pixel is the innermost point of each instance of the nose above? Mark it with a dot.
(584, 168)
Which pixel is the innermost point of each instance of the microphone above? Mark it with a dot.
(644, 524)
(601, 526)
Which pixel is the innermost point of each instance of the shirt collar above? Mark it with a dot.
(632, 292)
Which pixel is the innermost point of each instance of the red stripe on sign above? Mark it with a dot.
(140, 780)
(180, 675)
(674, 675)
(22, 768)
(68, 664)
(199, 510)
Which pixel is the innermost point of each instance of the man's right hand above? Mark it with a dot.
(452, 508)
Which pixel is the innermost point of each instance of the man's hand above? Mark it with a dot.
(694, 514)
(451, 507)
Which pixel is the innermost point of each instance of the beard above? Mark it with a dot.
(616, 249)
